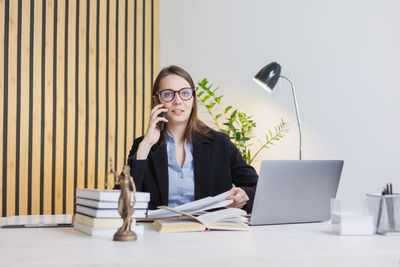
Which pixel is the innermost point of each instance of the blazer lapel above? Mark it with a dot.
(160, 164)
(200, 154)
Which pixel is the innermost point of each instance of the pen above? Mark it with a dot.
(36, 225)
(389, 206)
(380, 210)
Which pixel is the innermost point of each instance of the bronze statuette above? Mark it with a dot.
(125, 209)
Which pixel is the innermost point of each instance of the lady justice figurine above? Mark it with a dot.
(125, 209)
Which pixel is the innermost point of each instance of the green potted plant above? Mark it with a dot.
(235, 123)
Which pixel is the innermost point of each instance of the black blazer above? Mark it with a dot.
(217, 164)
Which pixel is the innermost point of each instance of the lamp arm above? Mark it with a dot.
(297, 114)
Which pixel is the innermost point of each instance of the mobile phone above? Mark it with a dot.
(155, 102)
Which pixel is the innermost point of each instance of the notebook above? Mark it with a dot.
(295, 191)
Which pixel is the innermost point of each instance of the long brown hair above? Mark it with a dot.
(195, 125)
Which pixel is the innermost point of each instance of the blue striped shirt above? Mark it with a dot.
(181, 180)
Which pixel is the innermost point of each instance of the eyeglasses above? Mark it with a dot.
(167, 95)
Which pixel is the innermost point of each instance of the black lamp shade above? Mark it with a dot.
(268, 76)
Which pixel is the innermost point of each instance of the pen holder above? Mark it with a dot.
(386, 212)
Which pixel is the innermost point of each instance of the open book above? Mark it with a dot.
(224, 219)
(193, 207)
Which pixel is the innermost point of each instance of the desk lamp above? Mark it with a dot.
(267, 78)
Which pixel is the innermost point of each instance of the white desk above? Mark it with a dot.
(277, 245)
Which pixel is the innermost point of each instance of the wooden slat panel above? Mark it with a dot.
(124, 92)
(148, 70)
(37, 102)
(24, 126)
(130, 56)
(12, 106)
(139, 68)
(102, 93)
(82, 95)
(2, 20)
(121, 86)
(156, 38)
(71, 106)
(111, 88)
(92, 94)
(48, 123)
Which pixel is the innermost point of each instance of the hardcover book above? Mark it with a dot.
(107, 204)
(109, 195)
(99, 222)
(108, 213)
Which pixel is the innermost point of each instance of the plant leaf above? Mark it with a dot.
(227, 109)
(211, 105)
(237, 136)
(231, 127)
(205, 98)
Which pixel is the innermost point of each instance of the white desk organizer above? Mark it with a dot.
(350, 223)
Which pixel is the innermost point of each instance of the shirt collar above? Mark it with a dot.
(170, 139)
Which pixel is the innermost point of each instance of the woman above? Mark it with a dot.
(185, 160)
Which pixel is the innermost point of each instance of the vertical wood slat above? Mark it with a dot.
(139, 69)
(156, 37)
(147, 62)
(12, 106)
(36, 116)
(59, 138)
(102, 94)
(107, 184)
(130, 56)
(72, 9)
(81, 75)
(48, 123)
(111, 87)
(120, 123)
(2, 25)
(92, 94)
(61, 73)
(24, 122)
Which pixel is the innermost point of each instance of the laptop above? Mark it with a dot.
(295, 191)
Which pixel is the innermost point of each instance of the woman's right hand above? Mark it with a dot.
(152, 133)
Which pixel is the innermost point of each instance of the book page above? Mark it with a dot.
(220, 215)
(179, 212)
(195, 206)
(220, 204)
(239, 220)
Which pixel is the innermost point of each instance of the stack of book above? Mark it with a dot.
(97, 211)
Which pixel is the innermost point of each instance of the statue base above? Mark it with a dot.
(128, 236)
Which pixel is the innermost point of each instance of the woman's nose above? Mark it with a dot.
(177, 99)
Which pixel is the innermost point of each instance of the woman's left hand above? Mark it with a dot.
(239, 197)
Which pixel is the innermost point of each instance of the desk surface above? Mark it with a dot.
(283, 245)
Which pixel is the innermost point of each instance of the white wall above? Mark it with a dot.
(343, 57)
